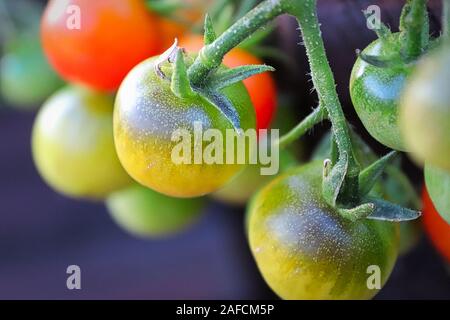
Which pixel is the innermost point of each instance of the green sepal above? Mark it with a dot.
(383, 32)
(358, 212)
(180, 84)
(387, 211)
(209, 35)
(223, 79)
(392, 61)
(333, 179)
(369, 176)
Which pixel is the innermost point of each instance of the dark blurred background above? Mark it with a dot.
(41, 232)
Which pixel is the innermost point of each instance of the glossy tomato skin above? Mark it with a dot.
(375, 93)
(113, 37)
(425, 110)
(73, 146)
(436, 227)
(306, 250)
(146, 116)
(438, 186)
(146, 213)
(26, 79)
(261, 87)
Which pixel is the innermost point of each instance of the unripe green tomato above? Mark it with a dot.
(306, 250)
(438, 186)
(425, 110)
(73, 146)
(146, 213)
(375, 93)
(26, 79)
(147, 114)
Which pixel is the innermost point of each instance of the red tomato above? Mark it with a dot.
(437, 229)
(261, 87)
(111, 38)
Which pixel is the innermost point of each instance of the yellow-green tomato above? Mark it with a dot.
(306, 250)
(146, 213)
(73, 146)
(425, 110)
(165, 142)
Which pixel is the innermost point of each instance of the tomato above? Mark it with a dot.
(425, 110)
(73, 146)
(261, 87)
(147, 115)
(146, 213)
(437, 229)
(26, 79)
(375, 93)
(306, 250)
(438, 186)
(112, 37)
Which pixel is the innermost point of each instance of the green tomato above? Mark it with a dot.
(425, 110)
(26, 79)
(376, 91)
(438, 186)
(146, 213)
(147, 114)
(73, 146)
(306, 250)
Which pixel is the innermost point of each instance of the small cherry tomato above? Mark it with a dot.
(437, 228)
(438, 186)
(73, 146)
(306, 250)
(96, 43)
(146, 213)
(26, 79)
(261, 87)
(148, 118)
(425, 110)
(375, 93)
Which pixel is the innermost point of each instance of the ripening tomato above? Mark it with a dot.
(146, 213)
(154, 132)
(261, 87)
(73, 146)
(306, 250)
(96, 43)
(437, 229)
(438, 186)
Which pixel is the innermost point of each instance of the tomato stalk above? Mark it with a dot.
(211, 55)
(315, 117)
(414, 25)
(323, 80)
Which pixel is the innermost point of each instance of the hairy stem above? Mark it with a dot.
(211, 56)
(315, 117)
(324, 83)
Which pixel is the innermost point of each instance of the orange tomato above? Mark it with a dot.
(96, 43)
(261, 87)
(435, 226)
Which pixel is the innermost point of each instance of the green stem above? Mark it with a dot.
(211, 56)
(414, 22)
(324, 83)
(446, 19)
(315, 117)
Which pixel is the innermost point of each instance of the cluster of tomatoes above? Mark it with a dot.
(107, 136)
(99, 47)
